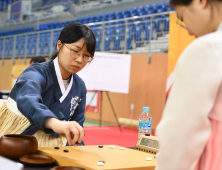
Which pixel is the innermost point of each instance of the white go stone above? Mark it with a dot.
(122, 148)
(112, 147)
(100, 163)
(148, 159)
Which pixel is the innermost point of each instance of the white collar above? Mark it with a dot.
(220, 27)
(64, 91)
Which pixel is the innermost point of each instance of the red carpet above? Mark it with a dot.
(109, 135)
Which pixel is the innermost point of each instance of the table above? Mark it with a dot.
(27, 167)
(115, 157)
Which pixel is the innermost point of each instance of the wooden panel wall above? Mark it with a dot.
(147, 88)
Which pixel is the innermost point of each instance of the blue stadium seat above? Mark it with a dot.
(107, 43)
(111, 16)
(41, 27)
(97, 18)
(35, 44)
(124, 13)
(50, 25)
(84, 20)
(42, 43)
(21, 45)
(90, 19)
(118, 31)
(140, 11)
(1, 47)
(29, 45)
(59, 25)
(138, 29)
(160, 7)
(154, 7)
(117, 15)
(147, 29)
(80, 20)
(98, 35)
(22, 40)
(129, 35)
(163, 23)
(6, 48)
(103, 18)
(108, 36)
(160, 23)
(93, 28)
(130, 12)
(18, 45)
(32, 44)
(11, 45)
(166, 23)
(48, 40)
(77, 20)
(55, 39)
(148, 9)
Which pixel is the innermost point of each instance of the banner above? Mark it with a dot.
(16, 72)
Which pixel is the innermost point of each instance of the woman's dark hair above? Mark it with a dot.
(74, 32)
(185, 2)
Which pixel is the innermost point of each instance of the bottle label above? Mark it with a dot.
(145, 125)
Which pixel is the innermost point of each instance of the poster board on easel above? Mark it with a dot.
(107, 72)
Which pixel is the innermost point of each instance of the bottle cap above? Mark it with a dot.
(146, 109)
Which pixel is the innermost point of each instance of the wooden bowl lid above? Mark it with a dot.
(67, 168)
(37, 160)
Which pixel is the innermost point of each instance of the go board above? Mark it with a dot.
(88, 156)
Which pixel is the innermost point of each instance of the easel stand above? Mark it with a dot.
(110, 102)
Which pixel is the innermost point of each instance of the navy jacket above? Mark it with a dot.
(37, 93)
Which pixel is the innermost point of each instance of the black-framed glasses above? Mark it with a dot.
(178, 20)
(74, 54)
(181, 24)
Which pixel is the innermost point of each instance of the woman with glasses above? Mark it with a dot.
(190, 132)
(48, 99)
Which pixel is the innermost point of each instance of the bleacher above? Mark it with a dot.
(4, 4)
(137, 11)
(112, 30)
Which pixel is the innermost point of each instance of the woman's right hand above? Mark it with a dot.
(71, 130)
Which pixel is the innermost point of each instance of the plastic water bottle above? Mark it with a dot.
(145, 122)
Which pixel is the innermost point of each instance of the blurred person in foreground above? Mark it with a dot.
(190, 132)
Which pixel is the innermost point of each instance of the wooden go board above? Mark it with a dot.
(88, 156)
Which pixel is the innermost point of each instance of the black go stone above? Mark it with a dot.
(56, 147)
(66, 150)
(100, 146)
